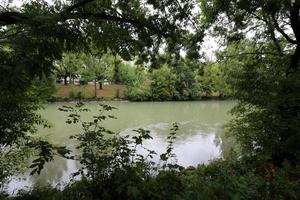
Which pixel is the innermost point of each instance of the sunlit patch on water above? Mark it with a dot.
(192, 148)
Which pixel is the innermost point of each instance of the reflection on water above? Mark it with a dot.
(198, 140)
(57, 173)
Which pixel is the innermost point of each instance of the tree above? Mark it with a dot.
(187, 86)
(185, 70)
(68, 67)
(124, 28)
(95, 69)
(116, 72)
(212, 80)
(274, 49)
(163, 84)
(138, 84)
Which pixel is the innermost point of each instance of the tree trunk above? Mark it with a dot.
(116, 71)
(95, 84)
(295, 24)
(100, 85)
(294, 64)
(65, 80)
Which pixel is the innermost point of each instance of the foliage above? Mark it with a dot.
(162, 84)
(231, 179)
(138, 86)
(27, 54)
(68, 67)
(212, 81)
(237, 179)
(126, 72)
(74, 95)
(93, 67)
(257, 81)
(19, 122)
(186, 86)
(112, 166)
(263, 72)
(12, 161)
(178, 80)
(117, 95)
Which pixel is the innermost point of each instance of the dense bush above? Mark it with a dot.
(137, 85)
(163, 83)
(212, 81)
(234, 179)
(83, 82)
(239, 180)
(139, 92)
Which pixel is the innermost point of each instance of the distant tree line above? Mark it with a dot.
(181, 79)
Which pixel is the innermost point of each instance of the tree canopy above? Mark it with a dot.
(38, 33)
(277, 21)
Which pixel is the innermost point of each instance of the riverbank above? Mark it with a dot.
(115, 92)
(69, 93)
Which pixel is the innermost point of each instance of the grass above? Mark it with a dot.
(88, 91)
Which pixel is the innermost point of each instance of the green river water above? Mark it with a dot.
(199, 140)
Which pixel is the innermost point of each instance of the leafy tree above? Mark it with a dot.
(93, 69)
(266, 73)
(68, 67)
(116, 70)
(127, 72)
(138, 85)
(212, 80)
(187, 86)
(163, 84)
(256, 84)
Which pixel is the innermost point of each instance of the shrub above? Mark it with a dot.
(112, 168)
(79, 95)
(83, 82)
(139, 92)
(72, 95)
(163, 83)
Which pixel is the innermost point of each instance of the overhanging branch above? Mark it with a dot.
(281, 31)
(77, 5)
(10, 18)
(252, 53)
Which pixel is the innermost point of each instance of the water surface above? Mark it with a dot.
(199, 139)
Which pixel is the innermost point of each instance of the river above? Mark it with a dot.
(199, 140)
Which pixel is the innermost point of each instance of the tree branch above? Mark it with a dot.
(281, 31)
(9, 18)
(77, 5)
(252, 53)
(271, 30)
